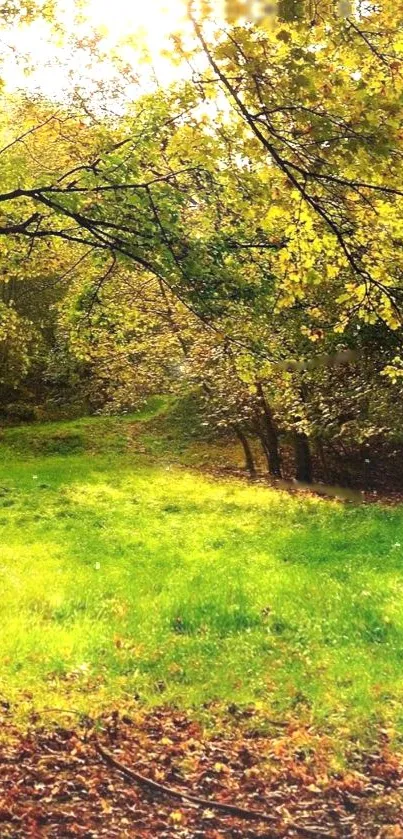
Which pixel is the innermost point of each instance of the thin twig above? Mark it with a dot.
(228, 809)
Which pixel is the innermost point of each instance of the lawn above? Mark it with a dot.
(125, 577)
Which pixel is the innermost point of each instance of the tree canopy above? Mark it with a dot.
(234, 232)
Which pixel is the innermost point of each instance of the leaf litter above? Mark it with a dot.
(160, 774)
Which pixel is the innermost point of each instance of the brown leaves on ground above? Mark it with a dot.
(54, 784)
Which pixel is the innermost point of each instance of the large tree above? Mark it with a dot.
(263, 197)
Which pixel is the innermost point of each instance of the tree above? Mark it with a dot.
(259, 237)
(317, 105)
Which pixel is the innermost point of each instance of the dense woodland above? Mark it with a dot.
(236, 237)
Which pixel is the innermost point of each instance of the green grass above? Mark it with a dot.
(127, 578)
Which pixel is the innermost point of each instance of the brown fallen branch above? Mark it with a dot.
(188, 798)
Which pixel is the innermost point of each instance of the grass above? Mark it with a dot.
(124, 577)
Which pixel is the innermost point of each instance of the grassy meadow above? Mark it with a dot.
(125, 576)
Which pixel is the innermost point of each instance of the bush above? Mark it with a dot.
(16, 412)
(61, 443)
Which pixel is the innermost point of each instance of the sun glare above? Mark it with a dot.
(155, 19)
(131, 29)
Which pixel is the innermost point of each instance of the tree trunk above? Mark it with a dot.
(303, 459)
(323, 461)
(273, 462)
(249, 461)
(268, 434)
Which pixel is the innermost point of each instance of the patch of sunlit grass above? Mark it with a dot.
(122, 579)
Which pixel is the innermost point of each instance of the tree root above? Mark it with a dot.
(188, 798)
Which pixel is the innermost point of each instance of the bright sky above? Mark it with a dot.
(52, 66)
(148, 24)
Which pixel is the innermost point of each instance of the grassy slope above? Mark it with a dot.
(125, 576)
